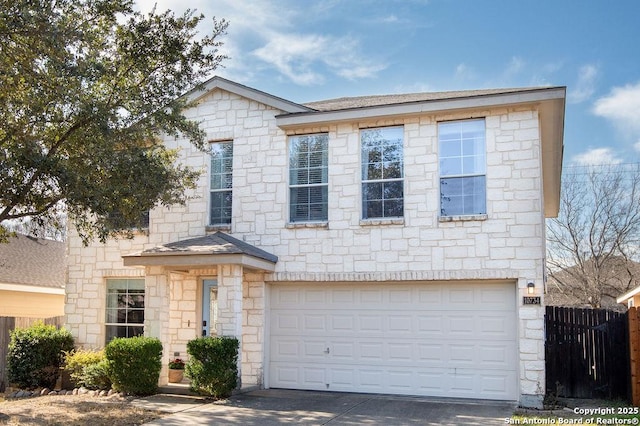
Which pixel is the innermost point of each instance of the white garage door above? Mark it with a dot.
(451, 340)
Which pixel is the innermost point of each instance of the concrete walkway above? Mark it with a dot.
(277, 407)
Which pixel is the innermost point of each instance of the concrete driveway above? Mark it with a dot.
(276, 407)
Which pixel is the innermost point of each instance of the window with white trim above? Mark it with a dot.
(308, 178)
(125, 307)
(462, 167)
(221, 183)
(382, 172)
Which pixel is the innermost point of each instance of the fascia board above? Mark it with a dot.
(181, 260)
(31, 289)
(628, 295)
(473, 102)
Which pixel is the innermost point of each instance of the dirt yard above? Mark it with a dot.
(76, 410)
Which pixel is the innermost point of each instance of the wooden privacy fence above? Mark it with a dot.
(634, 354)
(587, 353)
(10, 323)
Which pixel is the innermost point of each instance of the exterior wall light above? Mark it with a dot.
(531, 287)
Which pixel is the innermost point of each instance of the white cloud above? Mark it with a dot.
(622, 107)
(584, 86)
(596, 156)
(636, 146)
(464, 72)
(261, 34)
(516, 64)
(300, 56)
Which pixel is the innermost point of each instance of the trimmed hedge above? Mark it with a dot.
(134, 364)
(36, 354)
(213, 365)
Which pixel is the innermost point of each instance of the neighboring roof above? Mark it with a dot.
(629, 295)
(30, 261)
(214, 249)
(241, 90)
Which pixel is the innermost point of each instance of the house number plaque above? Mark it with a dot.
(531, 300)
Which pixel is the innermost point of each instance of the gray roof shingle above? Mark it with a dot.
(380, 100)
(217, 243)
(32, 261)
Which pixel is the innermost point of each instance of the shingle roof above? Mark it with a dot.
(217, 243)
(32, 261)
(380, 100)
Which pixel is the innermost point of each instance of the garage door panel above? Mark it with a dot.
(438, 340)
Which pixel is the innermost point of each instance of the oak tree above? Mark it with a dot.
(86, 88)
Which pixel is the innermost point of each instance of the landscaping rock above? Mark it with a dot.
(103, 393)
(75, 391)
(44, 391)
(53, 393)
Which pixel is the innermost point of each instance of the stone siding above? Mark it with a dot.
(506, 243)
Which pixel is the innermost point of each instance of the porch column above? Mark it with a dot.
(230, 301)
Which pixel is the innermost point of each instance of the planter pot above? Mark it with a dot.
(176, 376)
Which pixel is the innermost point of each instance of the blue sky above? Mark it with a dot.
(305, 50)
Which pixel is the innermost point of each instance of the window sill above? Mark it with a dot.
(382, 221)
(463, 218)
(296, 225)
(214, 228)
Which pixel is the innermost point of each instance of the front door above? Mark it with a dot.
(209, 307)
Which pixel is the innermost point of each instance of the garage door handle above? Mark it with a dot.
(327, 351)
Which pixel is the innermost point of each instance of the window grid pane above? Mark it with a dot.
(382, 172)
(462, 167)
(125, 308)
(308, 178)
(221, 183)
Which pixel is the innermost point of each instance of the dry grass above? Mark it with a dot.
(74, 410)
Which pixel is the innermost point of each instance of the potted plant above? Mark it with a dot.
(176, 370)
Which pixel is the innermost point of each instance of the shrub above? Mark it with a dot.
(36, 354)
(134, 364)
(96, 376)
(213, 365)
(88, 368)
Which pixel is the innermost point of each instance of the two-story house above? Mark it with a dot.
(378, 244)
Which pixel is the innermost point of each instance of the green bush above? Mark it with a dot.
(213, 365)
(134, 364)
(96, 376)
(36, 354)
(88, 368)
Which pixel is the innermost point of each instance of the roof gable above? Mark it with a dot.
(216, 82)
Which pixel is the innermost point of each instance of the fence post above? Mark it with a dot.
(634, 355)
(6, 325)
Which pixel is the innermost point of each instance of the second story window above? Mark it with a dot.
(308, 178)
(462, 167)
(382, 173)
(221, 183)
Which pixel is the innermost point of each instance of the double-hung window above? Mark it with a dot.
(221, 183)
(462, 167)
(125, 307)
(382, 172)
(308, 178)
